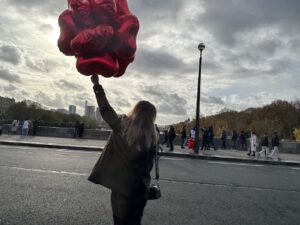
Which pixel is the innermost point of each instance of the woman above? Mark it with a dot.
(127, 159)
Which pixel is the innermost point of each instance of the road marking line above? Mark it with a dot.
(294, 168)
(175, 159)
(237, 164)
(77, 151)
(45, 171)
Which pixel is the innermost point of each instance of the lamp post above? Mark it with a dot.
(201, 47)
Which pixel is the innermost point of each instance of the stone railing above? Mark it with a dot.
(68, 132)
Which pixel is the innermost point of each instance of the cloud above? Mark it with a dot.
(10, 54)
(166, 103)
(66, 85)
(50, 100)
(45, 27)
(8, 76)
(212, 100)
(227, 18)
(41, 65)
(52, 7)
(9, 88)
(158, 62)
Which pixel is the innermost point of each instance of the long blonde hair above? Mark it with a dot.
(138, 128)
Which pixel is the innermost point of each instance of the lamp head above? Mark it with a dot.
(201, 47)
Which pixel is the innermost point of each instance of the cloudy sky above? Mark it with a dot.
(252, 56)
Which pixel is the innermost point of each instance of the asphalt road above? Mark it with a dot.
(48, 187)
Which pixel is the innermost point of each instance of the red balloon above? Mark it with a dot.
(101, 34)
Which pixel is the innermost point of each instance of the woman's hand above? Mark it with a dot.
(95, 79)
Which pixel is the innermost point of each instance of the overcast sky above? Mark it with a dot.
(252, 56)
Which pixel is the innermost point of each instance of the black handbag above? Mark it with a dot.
(154, 192)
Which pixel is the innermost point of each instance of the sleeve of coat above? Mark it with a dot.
(107, 112)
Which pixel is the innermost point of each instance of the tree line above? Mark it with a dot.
(44, 117)
(280, 116)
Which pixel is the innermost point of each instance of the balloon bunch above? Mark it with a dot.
(101, 34)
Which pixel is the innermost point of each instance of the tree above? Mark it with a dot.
(297, 134)
(34, 111)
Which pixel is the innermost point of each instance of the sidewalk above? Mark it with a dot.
(97, 145)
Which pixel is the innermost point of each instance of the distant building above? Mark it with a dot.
(98, 116)
(100, 121)
(90, 112)
(5, 103)
(72, 109)
(62, 111)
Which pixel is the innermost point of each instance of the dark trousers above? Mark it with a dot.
(128, 210)
(211, 143)
(183, 142)
(223, 144)
(171, 145)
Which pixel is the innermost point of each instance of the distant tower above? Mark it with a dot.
(72, 109)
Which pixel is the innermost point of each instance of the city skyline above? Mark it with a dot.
(250, 59)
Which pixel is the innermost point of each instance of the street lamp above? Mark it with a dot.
(201, 47)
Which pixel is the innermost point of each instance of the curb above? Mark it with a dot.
(231, 159)
(169, 154)
(50, 145)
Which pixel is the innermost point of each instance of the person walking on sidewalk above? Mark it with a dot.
(166, 141)
(127, 159)
(223, 139)
(243, 141)
(234, 138)
(211, 137)
(171, 137)
(204, 145)
(183, 136)
(264, 146)
(191, 141)
(253, 144)
(1, 125)
(275, 146)
(14, 126)
(25, 128)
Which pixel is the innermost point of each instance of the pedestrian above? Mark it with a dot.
(275, 146)
(204, 138)
(253, 144)
(183, 136)
(191, 141)
(127, 159)
(165, 138)
(15, 126)
(76, 129)
(234, 138)
(25, 127)
(243, 141)
(264, 146)
(211, 136)
(1, 125)
(223, 138)
(34, 127)
(81, 130)
(171, 137)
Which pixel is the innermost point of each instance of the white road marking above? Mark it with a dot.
(175, 159)
(45, 171)
(237, 164)
(4, 148)
(295, 168)
(77, 151)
